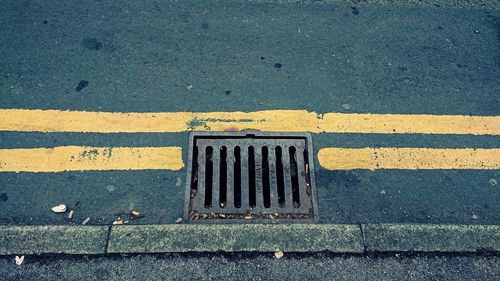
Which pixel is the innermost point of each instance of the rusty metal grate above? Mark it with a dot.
(250, 176)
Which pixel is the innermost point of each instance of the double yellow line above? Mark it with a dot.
(269, 120)
(69, 158)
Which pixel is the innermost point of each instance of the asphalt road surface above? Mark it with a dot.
(319, 266)
(424, 73)
(225, 56)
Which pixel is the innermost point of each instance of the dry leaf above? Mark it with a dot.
(19, 260)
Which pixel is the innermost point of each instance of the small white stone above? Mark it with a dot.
(19, 260)
(59, 208)
(278, 254)
(475, 217)
(383, 191)
(179, 220)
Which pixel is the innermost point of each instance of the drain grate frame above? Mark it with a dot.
(250, 177)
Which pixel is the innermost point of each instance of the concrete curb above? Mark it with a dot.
(338, 238)
(431, 238)
(67, 239)
(236, 238)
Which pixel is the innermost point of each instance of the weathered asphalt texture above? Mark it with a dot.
(139, 56)
(245, 55)
(244, 266)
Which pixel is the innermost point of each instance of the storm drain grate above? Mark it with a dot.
(250, 176)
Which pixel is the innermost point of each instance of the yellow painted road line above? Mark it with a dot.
(81, 158)
(409, 158)
(33, 120)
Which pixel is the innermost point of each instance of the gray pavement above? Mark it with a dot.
(319, 266)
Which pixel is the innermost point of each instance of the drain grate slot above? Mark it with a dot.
(252, 177)
(237, 177)
(280, 176)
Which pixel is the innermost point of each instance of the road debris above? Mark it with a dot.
(493, 182)
(178, 182)
(179, 220)
(475, 217)
(346, 106)
(110, 188)
(59, 208)
(189, 87)
(85, 221)
(278, 254)
(118, 221)
(70, 214)
(19, 260)
(135, 214)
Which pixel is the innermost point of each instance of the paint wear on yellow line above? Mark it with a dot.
(82, 158)
(34, 120)
(409, 158)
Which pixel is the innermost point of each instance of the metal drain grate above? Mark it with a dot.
(251, 176)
